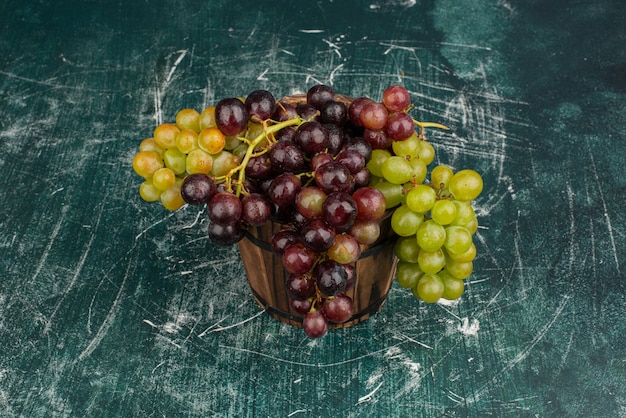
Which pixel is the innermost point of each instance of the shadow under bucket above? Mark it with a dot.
(375, 271)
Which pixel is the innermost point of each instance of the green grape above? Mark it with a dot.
(419, 170)
(145, 163)
(458, 239)
(453, 287)
(232, 142)
(430, 235)
(375, 164)
(164, 179)
(405, 222)
(392, 192)
(149, 192)
(409, 147)
(186, 141)
(397, 170)
(466, 185)
(408, 274)
(199, 161)
(188, 119)
(421, 198)
(464, 213)
(443, 212)
(440, 176)
(175, 160)
(149, 144)
(406, 249)
(207, 118)
(459, 269)
(172, 199)
(429, 288)
(468, 255)
(427, 152)
(223, 162)
(165, 135)
(472, 225)
(431, 262)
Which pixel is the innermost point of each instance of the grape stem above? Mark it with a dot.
(424, 125)
(250, 152)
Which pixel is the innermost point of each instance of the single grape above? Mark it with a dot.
(406, 249)
(330, 277)
(431, 262)
(164, 179)
(306, 111)
(260, 105)
(370, 203)
(345, 249)
(443, 212)
(466, 185)
(287, 157)
(334, 112)
(207, 118)
(333, 177)
(175, 160)
(148, 192)
(408, 274)
(410, 147)
(317, 235)
(198, 161)
(339, 308)
(315, 324)
(259, 166)
(224, 208)
(468, 255)
(284, 189)
(365, 232)
(288, 133)
(186, 141)
(165, 135)
(198, 189)
(421, 198)
(171, 198)
(426, 152)
(356, 107)
(430, 235)
(464, 213)
(453, 287)
(392, 192)
(298, 259)
(377, 139)
(340, 210)
(283, 239)
(397, 170)
(312, 137)
(352, 159)
(359, 144)
(458, 239)
(300, 286)
(146, 163)
(429, 288)
(373, 116)
(284, 111)
(396, 98)
(460, 269)
(362, 178)
(440, 176)
(320, 159)
(318, 95)
(406, 222)
(211, 140)
(419, 170)
(309, 201)
(231, 116)
(301, 307)
(223, 163)
(225, 235)
(399, 126)
(149, 144)
(188, 119)
(336, 138)
(255, 209)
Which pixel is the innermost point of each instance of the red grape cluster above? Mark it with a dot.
(304, 162)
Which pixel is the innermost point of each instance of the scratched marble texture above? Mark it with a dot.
(113, 307)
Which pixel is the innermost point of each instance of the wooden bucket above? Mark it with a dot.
(375, 271)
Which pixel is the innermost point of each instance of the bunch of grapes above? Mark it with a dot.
(328, 169)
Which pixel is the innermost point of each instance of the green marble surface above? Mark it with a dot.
(110, 307)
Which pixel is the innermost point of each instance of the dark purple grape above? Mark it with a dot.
(317, 235)
(315, 324)
(330, 277)
(377, 139)
(283, 239)
(360, 145)
(332, 177)
(287, 157)
(224, 208)
(351, 273)
(288, 133)
(355, 108)
(300, 286)
(259, 166)
(225, 235)
(340, 210)
(282, 214)
(298, 259)
(335, 138)
(260, 105)
(338, 309)
(362, 178)
(306, 111)
(231, 116)
(312, 137)
(352, 159)
(198, 189)
(284, 111)
(319, 94)
(334, 112)
(319, 160)
(399, 126)
(298, 220)
(284, 189)
(255, 209)
(370, 203)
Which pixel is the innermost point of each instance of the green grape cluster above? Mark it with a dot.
(435, 221)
